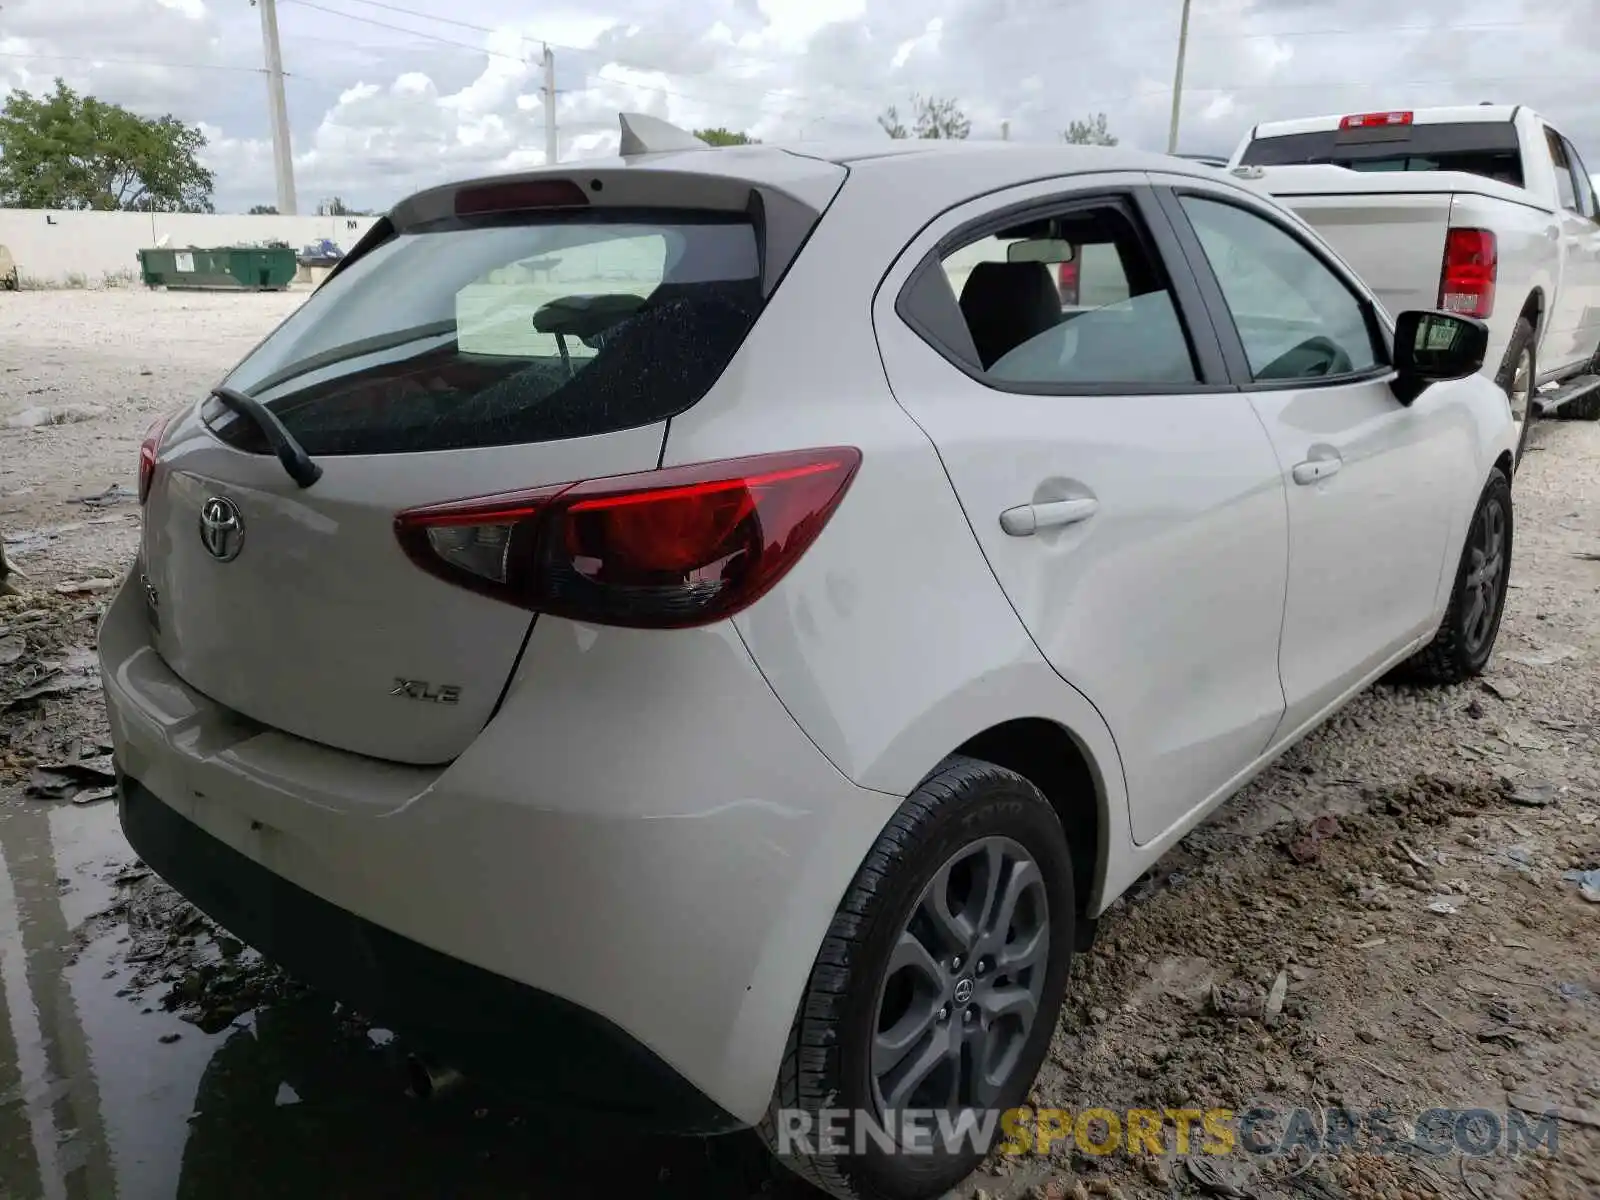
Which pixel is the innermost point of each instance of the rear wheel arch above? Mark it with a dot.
(1533, 308)
(1054, 760)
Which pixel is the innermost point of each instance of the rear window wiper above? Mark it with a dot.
(290, 453)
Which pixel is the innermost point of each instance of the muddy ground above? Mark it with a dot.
(1383, 920)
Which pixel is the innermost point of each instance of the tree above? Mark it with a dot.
(1090, 132)
(263, 210)
(726, 137)
(931, 117)
(62, 150)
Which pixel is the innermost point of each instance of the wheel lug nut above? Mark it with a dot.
(968, 1015)
(955, 963)
(944, 1013)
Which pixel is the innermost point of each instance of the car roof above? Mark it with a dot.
(973, 166)
(910, 179)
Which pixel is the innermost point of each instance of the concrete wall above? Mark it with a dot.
(50, 245)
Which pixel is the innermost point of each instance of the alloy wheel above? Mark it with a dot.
(964, 982)
(1484, 582)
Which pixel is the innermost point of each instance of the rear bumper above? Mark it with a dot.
(642, 834)
(490, 1027)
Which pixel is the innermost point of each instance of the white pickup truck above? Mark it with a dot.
(1484, 210)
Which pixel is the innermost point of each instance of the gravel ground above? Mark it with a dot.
(136, 355)
(1381, 920)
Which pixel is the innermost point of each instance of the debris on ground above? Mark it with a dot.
(1503, 688)
(1534, 795)
(1307, 847)
(74, 587)
(183, 960)
(116, 493)
(51, 711)
(65, 780)
(58, 414)
(1588, 884)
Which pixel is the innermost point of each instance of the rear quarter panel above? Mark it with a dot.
(890, 642)
(1529, 263)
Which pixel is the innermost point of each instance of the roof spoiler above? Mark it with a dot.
(644, 134)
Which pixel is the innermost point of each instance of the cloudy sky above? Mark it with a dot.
(386, 97)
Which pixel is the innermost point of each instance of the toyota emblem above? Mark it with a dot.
(221, 528)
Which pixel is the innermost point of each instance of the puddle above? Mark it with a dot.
(106, 1095)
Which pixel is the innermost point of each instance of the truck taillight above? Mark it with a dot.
(1067, 283)
(1471, 262)
(147, 455)
(1374, 120)
(662, 549)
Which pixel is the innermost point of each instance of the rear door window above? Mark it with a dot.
(1566, 190)
(1074, 300)
(494, 332)
(1580, 180)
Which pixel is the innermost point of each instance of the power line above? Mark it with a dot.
(431, 37)
(1370, 31)
(97, 60)
(422, 16)
(411, 12)
(1329, 85)
(786, 96)
(1381, 84)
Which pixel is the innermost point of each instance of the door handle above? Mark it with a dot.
(1027, 519)
(1315, 469)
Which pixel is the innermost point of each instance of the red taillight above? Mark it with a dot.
(656, 550)
(1471, 262)
(147, 455)
(1067, 282)
(1374, 120)
(519, 195)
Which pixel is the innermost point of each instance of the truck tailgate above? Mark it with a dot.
(1394, 241)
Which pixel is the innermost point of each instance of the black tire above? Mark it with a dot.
(1523, 346)
(827, 1064)
(1462, 647)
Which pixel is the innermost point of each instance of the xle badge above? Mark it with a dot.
(421, 689)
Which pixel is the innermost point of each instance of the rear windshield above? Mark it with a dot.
(497, 332)
(1486, 148)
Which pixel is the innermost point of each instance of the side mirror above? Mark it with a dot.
(1430, 347)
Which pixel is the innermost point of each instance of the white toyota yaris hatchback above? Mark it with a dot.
(705, 633)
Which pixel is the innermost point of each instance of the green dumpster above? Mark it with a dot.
(230, 268)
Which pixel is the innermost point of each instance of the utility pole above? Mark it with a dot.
(550, 149)
(1177, 80)
(277, 107)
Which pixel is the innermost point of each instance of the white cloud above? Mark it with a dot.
(377, 112)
